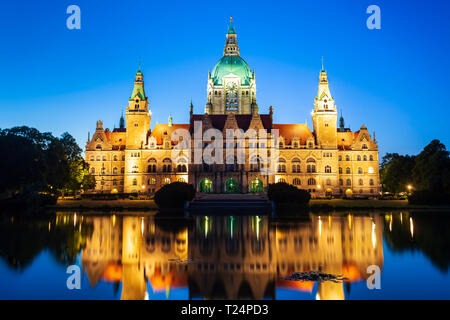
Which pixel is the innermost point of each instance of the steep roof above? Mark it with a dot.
(289, 131)
(162, 130)
(243, 120)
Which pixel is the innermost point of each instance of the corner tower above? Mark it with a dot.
(231, 85)
(324, 115)
(137, 115)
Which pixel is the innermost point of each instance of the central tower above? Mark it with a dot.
(231, 85)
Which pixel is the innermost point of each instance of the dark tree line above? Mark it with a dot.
(429, 170)
(428, 174)
(35, 163)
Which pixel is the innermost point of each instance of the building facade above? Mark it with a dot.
(329, 160)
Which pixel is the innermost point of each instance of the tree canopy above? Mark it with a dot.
(429, 170)
(39, 162)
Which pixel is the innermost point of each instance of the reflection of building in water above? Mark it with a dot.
(232, 257)
(133, 250)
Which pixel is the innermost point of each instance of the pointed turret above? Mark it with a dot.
(324, 115)
(341, 123)
(231, 46)
(122, 122)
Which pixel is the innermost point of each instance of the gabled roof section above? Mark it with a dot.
(161, 131)
(291, 131)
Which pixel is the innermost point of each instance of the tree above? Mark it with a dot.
(395, 172)
(432, 168)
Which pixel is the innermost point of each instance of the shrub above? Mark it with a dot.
(284, 193)
(174, 195)
(426, 197)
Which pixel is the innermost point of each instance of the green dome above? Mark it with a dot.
(231, 64)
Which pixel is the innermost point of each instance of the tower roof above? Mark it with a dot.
(230, 27)
(231, 64)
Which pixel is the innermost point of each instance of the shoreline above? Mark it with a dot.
(315, 205)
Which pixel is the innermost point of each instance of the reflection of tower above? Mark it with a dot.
(133, 278)
(235, 258)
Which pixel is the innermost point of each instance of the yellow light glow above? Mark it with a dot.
(320, 227)
(318, 186)
(411, 227)
(409, 187)
(374, 236)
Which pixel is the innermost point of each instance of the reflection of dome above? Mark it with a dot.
(231, 64)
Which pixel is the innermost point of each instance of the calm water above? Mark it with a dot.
(142, 257)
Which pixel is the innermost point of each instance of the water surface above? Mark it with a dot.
(227, 257)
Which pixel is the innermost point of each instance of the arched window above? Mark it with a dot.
(123, 158)
(349, 182)
(364, 146)
(135, 169)
(114, 182)
(295, 144)
(167, 165)
(104, 158)
(365, 158)
(167, 181)
(310, 167)
(103, 170)
(281, 165)
(181, 165)
(296, 165)
(360, 170)
(114, 170)
(371, 157)
(98, 158)
(347, 170)
(347, 158)
(311, 182)
(282, 180)
(134, 182)
(122, 170)
(358, 158)
(98, 147)
(371, 182)
(255, 164)
(296, 182)
(116, 158)
(340, 170)
(360, 182)
(92, 158)
(92, 170)
(327, 169)
(152, 165)
(340, 158)
(341, 182)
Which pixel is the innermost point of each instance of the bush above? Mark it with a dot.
(284, 193)
(426, 197)
(174, 195)
(108, 196)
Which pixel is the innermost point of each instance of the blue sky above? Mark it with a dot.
(393, 80)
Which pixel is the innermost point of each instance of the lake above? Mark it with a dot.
(139, 256)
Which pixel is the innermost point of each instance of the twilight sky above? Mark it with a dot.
(392, 80)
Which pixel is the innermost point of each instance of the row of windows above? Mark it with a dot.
(358, 158)
(115, 158)
(348, 182)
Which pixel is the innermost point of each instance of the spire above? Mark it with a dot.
(122, 122)
(138, 90)
(341, 123)
(191, 107)
(230, 27)
(231, 46)
(170, 120)
(322, 65)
